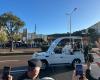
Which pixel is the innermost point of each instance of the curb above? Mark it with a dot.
(9, 54)
(17, 53)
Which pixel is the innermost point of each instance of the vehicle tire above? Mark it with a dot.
(75, 61)
(44, 64)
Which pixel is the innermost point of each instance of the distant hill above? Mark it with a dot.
(57, 35)
(96, 27)
(93, 32)
(76, 33)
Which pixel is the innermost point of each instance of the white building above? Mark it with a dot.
(33, 36)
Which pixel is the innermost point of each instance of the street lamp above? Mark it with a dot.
(70, 14)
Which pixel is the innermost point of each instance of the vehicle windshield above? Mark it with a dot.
(53, 45)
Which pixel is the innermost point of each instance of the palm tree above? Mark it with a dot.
(12, 25)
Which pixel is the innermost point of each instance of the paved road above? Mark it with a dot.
(14, 61)
(19, 63)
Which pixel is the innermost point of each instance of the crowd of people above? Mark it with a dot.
(34, 66)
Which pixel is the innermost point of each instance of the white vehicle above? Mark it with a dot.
(61, 52)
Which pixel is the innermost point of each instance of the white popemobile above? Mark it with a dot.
(61, 52)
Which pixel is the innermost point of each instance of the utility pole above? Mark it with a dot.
(70, 15)
(35, 29)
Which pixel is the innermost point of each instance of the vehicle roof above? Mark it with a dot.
(73, 37)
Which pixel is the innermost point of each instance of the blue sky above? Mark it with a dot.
(49, 15)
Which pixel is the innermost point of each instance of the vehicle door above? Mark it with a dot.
(68, 57)
(57, 56)
(67, 52)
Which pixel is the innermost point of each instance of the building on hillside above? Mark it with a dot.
(96, 27)
(33, 36)
(44, 37)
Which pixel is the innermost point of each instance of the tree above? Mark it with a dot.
(91, 30)
(3, 37)
(12, 24)
(17, 37)
(77, 33)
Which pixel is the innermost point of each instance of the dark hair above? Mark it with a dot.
(34, 63)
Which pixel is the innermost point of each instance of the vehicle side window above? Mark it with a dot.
(58, 50)
(60, 46)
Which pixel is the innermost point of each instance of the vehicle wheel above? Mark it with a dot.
(75, 61)
(44, 64)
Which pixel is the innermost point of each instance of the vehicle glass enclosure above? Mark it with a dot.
(67, 41)
(60, 46)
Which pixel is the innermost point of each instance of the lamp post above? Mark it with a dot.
(70, 14)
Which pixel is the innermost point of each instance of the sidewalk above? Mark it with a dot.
(19, 51)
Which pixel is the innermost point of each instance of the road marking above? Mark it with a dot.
(10, 61)
(16, 56)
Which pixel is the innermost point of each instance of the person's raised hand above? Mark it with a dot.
(10, 77)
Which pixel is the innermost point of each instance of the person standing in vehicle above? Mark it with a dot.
(86, 52)
(87, 48)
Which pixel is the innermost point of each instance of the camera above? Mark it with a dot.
(79, 69)
(6, 72)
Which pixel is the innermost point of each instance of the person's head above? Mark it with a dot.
(34, 66)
